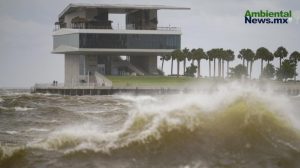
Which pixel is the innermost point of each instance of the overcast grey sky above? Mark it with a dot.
(26, 28)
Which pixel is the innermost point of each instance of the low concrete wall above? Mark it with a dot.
(292, 90)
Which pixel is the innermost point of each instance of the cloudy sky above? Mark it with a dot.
(26, 32)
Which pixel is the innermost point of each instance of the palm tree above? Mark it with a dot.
(214, 58)
(164, 58)
(223, 59)
(172, 61)
(219, 55)
(269, 57)
(178, 55)
(191, 55)
(242, 54)
(213, 55)
(210, 58)
(186, 54)
(223, 55)
(199, 54)
(287, 70)
(229, 56)
(280, 53)
(248, 55)
(263, 54)
(295, 57)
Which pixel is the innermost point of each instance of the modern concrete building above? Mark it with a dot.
(93, 48)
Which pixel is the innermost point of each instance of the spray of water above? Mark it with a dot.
(153, 118)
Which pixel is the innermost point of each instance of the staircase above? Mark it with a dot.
(129, 66)
(102, 80)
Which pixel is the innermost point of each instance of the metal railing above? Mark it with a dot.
(118, 28)
(69, 86)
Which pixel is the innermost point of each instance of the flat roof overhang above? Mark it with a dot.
(117, 8)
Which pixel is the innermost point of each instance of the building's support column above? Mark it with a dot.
(71, 69)
(152, 65)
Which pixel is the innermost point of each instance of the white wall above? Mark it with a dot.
(71, 69)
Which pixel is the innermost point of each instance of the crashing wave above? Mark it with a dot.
(235, 117)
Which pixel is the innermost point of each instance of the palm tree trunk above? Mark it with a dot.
(279, 62)
(172, 66)
(209, 66)
(178, 68)
(251, 63)
(184, 64)
(221, 72)
(223, 69)
(214, 67)
(219, 67)
(198, 68)
(247, 67)
(261, 67)
(227, 68)
(243, 61)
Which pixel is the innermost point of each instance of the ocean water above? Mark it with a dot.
(236, 125)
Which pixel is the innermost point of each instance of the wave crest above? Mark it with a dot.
(243, 123)
(10, 155)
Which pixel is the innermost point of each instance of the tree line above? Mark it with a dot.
(217, 57)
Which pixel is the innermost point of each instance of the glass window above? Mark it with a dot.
(130, 41)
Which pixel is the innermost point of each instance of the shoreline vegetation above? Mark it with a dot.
(219, 58)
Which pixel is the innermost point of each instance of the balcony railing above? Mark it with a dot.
(167, 28)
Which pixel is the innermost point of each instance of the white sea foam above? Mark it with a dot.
(91, 111)
(144, 98)
(12, 132)
(3, 108)
(13, 93)
(23, 108)
(37, 130)
(151, 114)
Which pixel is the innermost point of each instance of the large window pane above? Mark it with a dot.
(130, 41)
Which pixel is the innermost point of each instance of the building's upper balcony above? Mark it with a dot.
(97, 27)
(83, 28)
(108, 26)
(97, 16)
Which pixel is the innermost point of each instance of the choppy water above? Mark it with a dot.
(236, 126)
